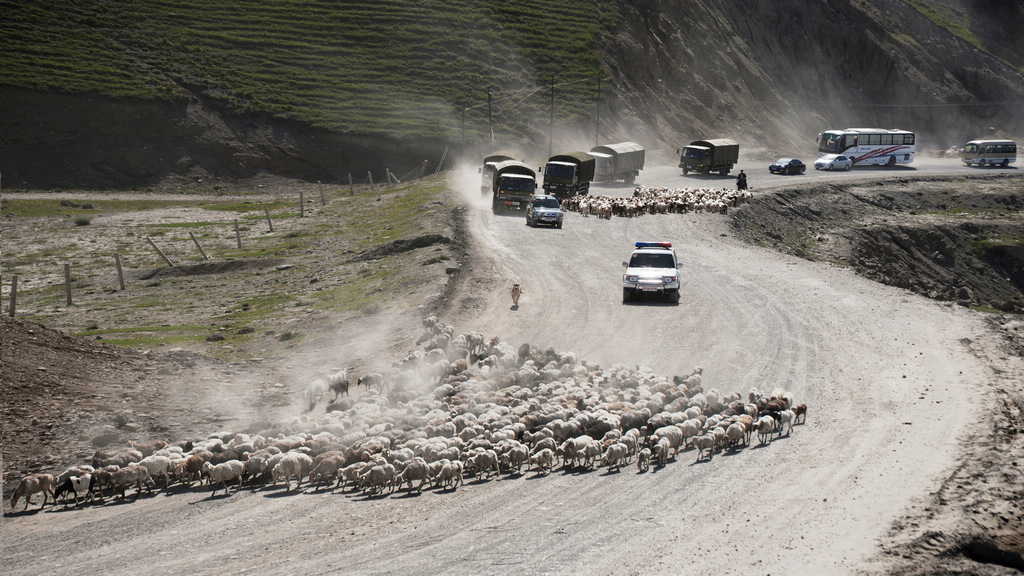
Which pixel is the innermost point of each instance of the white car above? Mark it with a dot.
(652, 269)
(833, 162)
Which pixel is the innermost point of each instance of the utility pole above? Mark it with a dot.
(597, 126)
(490, 128)
(463, 130)
(551, 122)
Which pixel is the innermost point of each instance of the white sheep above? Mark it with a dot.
(543, 460)
(661, 450)
(643, 460)
(614, 456)
(219, 474)
(672, 433)
(290, 464)
(379, 477)
(765, 426)
(416, 469)
(314, 393)
(704, 443)
(158, 466)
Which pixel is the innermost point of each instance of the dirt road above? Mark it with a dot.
(892, 386)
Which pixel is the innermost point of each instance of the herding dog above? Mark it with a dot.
(516, 293)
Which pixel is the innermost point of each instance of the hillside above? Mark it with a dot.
(122, 94)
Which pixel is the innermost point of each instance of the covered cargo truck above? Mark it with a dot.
(487, 171)
(569, 174)
(706, 156)
(622, 161)
(513, 186)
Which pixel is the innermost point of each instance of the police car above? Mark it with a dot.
(652, 269)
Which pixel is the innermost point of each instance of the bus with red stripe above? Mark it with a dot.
(869, 145)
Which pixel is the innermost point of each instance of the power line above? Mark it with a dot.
(853, 105)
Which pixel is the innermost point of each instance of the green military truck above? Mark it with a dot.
(569, 174)
(707, 156)
(512, 186)
(487, 171)
(622, 161)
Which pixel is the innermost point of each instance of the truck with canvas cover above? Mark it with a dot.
(707, 156)
(487, 171)
(568, 174)
(622, 161)
(513, 185)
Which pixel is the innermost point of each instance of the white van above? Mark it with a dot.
(989, 152)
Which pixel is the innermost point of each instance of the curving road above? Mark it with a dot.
(890, 389)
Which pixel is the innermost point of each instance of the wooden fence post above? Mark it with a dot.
(159, 251)
(14, 294)
(120, 274)
(198, 245)
(351, 186)
(238, 234)
(323, 199)
(302, 203)
(266, 210)
(370, 176)
(67, 283)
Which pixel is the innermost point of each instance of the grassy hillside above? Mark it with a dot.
(393, 67)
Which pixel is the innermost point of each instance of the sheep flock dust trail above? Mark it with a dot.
(880, 370)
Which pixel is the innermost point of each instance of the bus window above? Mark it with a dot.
(874, 139)
(908, 139)
(971, 148)
(886, 140)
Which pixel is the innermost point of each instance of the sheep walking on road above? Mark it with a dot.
(338, 383)
(32, 484)
(220, 474)
(643, 460)
(314, 393)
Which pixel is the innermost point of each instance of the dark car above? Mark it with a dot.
(787, 166)
(544, 209)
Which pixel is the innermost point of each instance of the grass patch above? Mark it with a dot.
(401, 68)
(242, 303)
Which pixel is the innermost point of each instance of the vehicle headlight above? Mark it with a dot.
(668, 279)
(629, 278)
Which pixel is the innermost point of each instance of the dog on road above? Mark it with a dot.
(516, 293)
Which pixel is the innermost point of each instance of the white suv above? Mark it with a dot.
(651, 269)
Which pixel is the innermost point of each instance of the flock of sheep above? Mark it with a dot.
(647, 200)
(461, 407)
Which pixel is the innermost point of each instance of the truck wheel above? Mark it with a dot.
(685, 171)
(627, 295)
(632, 178)
(725, 171)
(559, 225)
(674, 297)
(1004, 162)
(891, 162)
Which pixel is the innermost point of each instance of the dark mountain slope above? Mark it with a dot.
(770, 74)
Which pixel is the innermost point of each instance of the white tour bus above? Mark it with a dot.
(992, 152)
(869, 145)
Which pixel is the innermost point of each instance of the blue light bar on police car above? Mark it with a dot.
(653, 244)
